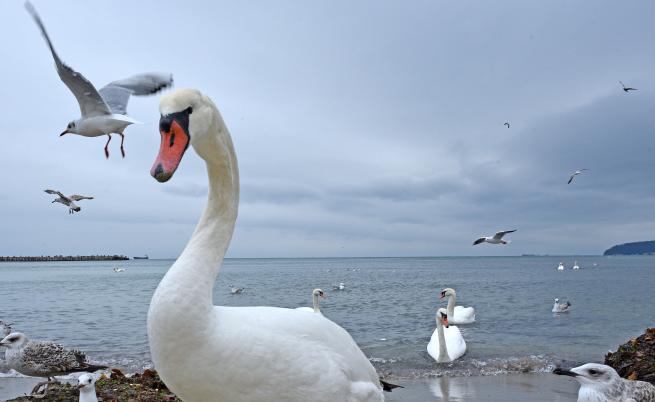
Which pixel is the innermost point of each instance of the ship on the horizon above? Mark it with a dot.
(145, 257)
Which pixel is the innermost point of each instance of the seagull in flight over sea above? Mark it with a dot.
(68, 201)
(577, 172)
(103, 111)
(495, 239)
(602, 383)
(627, 89)
(506, 124)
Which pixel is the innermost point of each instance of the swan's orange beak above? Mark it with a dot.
(174, 130)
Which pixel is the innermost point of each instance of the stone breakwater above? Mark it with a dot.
(64, 258)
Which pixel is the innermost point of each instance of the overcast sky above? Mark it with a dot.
(365, 128)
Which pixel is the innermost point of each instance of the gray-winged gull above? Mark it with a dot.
(577, 172)
(495, 239)
(601, 383)
(43, 358)
(627, 89)
(560, 308)
(86, 383)
(104, 111)
(68, 200)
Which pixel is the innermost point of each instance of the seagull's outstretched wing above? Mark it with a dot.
(90, 101)
(76, 197)
(499, 235)
(55, 192)
(571, 178)
(117, 93)
(478, 241)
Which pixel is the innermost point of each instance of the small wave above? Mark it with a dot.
(397, 368)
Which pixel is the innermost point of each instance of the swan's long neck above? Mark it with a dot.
(315, 302)
(184, 297)
(452, 300)
(443, 350)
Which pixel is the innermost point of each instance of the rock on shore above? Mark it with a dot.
(635, 359)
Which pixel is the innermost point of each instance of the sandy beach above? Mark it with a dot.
(505, 388)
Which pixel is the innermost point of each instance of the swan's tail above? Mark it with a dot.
(388, 387)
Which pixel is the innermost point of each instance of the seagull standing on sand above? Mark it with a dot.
(577, 172)
(627, 89)
(104, 111)
(495, 239)
(86, 383)
(43, 358)
(601, 383)
(68, 201)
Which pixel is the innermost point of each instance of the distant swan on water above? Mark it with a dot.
(560, 267)
(457, 314)
(446, 344)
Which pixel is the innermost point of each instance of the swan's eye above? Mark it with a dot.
(189, 110)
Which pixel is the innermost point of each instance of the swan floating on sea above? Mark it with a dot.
(119, 269)
(576, 266)
(316, 293)
(43, 358)
(457, 314)
(103, 111)
(601, 383)
(561, 308)
(446, 344)
(245, 354)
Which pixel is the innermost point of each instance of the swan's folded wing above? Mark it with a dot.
(454, 342)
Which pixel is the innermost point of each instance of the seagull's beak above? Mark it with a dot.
(562, 371)
(64, 132)
(80, 386)
(174, 130)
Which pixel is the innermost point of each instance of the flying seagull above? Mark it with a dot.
(495, 239)
(68, 201)
(104, 111)
(577, 172)
(43, 358)
(627, 89)
(602, 383)
(506, 124)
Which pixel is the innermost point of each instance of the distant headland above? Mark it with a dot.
(64, 258)
(636, 248)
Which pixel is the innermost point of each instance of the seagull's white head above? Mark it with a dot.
(592, 375)
(72, 127)
(187, 117)
(556, 300)
(319, 293)
(15, 340)
(86, 381)
(447, 292)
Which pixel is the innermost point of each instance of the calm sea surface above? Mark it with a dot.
(388, 306)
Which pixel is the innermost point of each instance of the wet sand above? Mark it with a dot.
(500, 388)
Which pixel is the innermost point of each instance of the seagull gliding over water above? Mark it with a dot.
(577, 172)
(495, 239)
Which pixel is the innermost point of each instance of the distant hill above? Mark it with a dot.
(636, 248)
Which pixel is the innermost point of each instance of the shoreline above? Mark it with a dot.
(47, 258)
(537, 387)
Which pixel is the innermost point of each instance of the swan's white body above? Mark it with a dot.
(457, 314)
(446, 344)
(576, 266)
(316, 293)
(240, 354)
(560, 267)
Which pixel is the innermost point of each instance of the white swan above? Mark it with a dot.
(457, 314)
(446, 344)
(560, 267)
(237, 354)
(576, 266)
(315, 302)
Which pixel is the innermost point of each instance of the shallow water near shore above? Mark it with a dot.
(388, 306)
